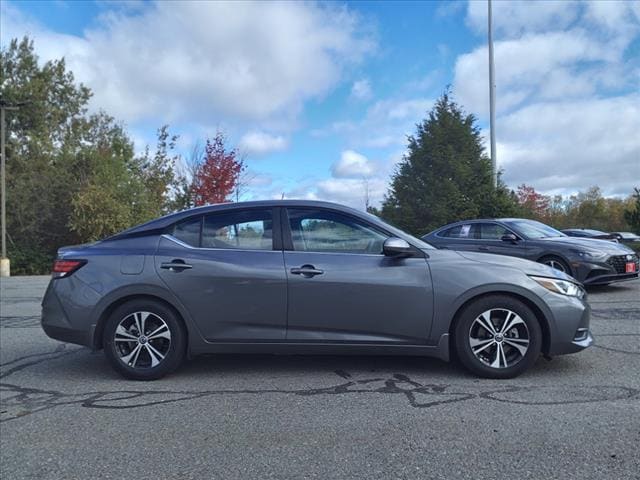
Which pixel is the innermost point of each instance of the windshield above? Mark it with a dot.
(400, 233)
(533, 230)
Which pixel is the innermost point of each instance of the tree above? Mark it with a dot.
(71, 177)
(632, 214)
(533, 203)
(40, 177)
(159, 174)
(445, 176)
(217, 175)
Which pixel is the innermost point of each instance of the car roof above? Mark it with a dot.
(162, 223)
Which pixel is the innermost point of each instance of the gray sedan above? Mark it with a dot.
(304, 277)
(590, 261)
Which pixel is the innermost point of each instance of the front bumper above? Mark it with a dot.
(570, 332)
(609, 271)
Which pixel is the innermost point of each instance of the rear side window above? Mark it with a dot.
(459, 231)
(492, 231)
(188, 231)
(246, 230)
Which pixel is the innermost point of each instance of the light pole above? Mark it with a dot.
(492, 104)
(5, 266)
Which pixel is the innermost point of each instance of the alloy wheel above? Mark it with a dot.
(499, 338)
(142, 340)
(555, 264)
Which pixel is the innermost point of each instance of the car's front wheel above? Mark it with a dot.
(557, 263)
(144, 340)
(497, 337)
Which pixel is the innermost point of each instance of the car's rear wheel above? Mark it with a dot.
(144, 340)
(557, 263)
(497, 337)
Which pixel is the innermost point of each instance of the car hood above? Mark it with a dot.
(605, 246)
(526, 266)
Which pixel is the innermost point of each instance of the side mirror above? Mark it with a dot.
(396, 247)
(509, 237)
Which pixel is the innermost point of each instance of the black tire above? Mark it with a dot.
(174, 348)
(529, 328)
(558, 261)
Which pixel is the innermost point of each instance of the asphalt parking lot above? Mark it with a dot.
(65, 414)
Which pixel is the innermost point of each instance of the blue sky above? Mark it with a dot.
(320, 96)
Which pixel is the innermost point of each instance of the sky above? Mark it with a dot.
(320, 97)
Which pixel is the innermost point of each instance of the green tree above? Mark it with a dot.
(159, 174)
(38, 189)
(632, 214)
(72, 177)
(446, 175)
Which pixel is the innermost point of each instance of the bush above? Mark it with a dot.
(30, 260)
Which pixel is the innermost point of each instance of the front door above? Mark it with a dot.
(225, 271)
(341, 287)
(489, 235)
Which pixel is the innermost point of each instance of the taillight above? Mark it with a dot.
(64, 268)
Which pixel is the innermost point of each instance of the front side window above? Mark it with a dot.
(492, 231)
(333, 232)
(246, 230)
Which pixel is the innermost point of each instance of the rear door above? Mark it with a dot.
(343, 289)
(459, 237)
(227, 269)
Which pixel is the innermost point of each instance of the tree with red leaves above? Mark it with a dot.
(533, 202)
(217, 176)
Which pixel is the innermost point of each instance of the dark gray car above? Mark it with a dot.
(590, 261)
(305, 277)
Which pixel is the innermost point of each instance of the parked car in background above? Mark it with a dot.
(589, 233)
(304, 277)
(592, 262)
(626, 237)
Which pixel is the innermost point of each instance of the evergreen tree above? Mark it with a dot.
(445, 176)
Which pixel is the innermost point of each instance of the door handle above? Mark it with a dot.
(307, 271)
(175, 265)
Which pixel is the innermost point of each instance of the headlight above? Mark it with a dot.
(592, 254)
(562, 287)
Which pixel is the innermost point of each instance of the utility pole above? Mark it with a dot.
(492, 103)
(5, 266)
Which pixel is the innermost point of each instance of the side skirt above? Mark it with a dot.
(441, 350)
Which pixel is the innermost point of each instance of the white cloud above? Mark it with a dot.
(352, 164)
(351, 191)
(578, 143)
(361, 90)
(566, 92)
(529, 65)
(515, 17)
(200, 61)
(385, 124)
(261, 143)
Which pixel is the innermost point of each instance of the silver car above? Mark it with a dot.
(302, 277)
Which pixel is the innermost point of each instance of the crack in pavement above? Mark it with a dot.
(20, 401)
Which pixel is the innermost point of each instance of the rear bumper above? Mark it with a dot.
(68, 335)
(56, 322)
